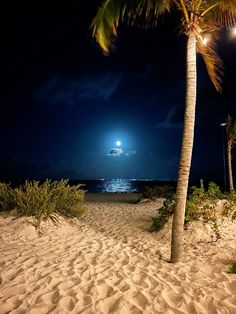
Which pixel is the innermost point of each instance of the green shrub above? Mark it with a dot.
(214, 191)
(42, 201)
(163, 213)
(197, 193)
(194, 202)
(200, 205)
(6, 197)
(68, 199)
(233, 215)
(230, 205)
(232, 269)
(157, 191)
(33, 199)
(192, 211)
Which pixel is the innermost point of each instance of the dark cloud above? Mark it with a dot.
(115, 152)
(63, 90)
(99, 86)
(131, 153)
(174, 118)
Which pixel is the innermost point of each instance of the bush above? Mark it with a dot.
(193, 204)
(42, 201)
(230, 205)
(200, 205)
(232, 269)
(33, 199)
(68, 199)
(234, 216)
(6, 197)
(214, 191)
(163, 213)
(157, 191)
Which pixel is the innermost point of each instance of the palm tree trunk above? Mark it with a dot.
(231, 184)
(186, 151)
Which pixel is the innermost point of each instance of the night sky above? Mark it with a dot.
(64, 104)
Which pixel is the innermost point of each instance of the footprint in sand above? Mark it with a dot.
(12, 290)
(67, 303)
(139, 298)
(140, 280)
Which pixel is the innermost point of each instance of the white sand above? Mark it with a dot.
(107, 262)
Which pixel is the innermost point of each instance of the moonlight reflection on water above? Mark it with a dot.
(118, 185)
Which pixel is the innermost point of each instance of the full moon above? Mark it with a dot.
(118, 143)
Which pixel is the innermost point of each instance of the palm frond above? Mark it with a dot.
(112, 12)
(213, 14)
(226, 14)
(222, 11)
(105, 23)
(213, 62)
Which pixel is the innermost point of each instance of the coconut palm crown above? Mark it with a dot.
(204, 18)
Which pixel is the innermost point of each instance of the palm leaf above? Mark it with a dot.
(214, 14)
(226, 14)
(223, 12)
(213, 62)
(112, 12)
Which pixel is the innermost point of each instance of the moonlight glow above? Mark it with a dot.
(118, 143)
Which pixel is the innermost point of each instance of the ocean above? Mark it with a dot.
(112, 185)
(121, 185)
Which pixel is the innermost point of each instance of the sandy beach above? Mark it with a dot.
(108, 262)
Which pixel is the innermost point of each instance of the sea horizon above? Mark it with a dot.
(117, 185)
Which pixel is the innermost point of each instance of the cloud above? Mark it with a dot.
(63, 90)
(115, 152)
(102, 86)
(173, 119)
(131, 153)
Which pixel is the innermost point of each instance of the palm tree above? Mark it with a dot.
(200, 21)
(231, 140)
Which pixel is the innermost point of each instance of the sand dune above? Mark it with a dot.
(107, 262)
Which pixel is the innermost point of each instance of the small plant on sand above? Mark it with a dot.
(163, 213)
(42, 201)
(6, 199)
(34, 199)
(209, 215)
(232, 269)
(234, 216)
(230, 205)
(214, 192)
(68, 199)
(157, 191)
(200, 204)
(194, 201)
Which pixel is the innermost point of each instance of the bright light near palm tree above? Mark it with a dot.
(234, 31)
(118, 143)
(205, 41)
